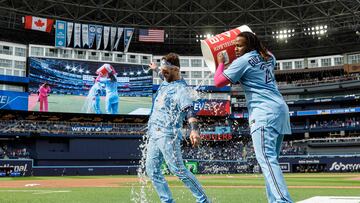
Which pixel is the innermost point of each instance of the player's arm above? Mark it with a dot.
(155, 68)
(219, 79)
(232, 74)
(194, 128)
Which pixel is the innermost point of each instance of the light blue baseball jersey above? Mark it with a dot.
(265, 103)
(167, 113)
(111, 89)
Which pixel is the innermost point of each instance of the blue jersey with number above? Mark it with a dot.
(265, 104)
(167, 114)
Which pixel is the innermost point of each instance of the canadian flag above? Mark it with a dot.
(40, 24)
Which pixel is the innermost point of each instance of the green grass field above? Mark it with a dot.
(221, 188)
(74, 104)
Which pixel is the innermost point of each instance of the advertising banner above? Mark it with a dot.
(208, 107)
(91, 128)
(219, 133)
(23, 166)
(13, 100)
(323, 163)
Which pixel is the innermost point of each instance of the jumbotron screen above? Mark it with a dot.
(58, 85)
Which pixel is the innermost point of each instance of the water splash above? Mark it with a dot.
(201, 92)
(90, 104)
(139, 194)
(209, 151)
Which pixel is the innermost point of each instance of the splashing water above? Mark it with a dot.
(91, 99)
(140, 196)
(201, 91)
(207, 152)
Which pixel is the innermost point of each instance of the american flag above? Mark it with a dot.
(149, 35)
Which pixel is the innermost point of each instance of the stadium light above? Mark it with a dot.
(318, 31)
(283, 34)
(139, 73)
(204, 36)
(67, 67)
(131, 73)
(81, 70)
(124, 74)
(87, 72)
(74, 69)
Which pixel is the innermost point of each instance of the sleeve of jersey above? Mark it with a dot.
(236, 70)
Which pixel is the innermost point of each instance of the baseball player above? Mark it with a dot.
(94, 96)
(172, 104)
(111, 88)
(268, 113)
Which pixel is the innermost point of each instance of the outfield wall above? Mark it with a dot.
(288, 164)
(84, 170)
(87, 149)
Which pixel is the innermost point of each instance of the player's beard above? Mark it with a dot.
(238, 54)
(169, 77)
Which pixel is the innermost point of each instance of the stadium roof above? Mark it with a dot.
(289, 28)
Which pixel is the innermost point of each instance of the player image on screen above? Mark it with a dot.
(107, 76)
(92, 102)
(78, 87)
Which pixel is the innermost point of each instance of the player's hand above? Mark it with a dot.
(220, 58)
(195, 138)
(152, 66)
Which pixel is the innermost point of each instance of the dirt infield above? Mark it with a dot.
(125, 182)
(67, 183)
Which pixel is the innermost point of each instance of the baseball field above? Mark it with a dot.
(74, 104)
(221, 188)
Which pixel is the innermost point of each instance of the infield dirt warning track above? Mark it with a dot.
(132, 181)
